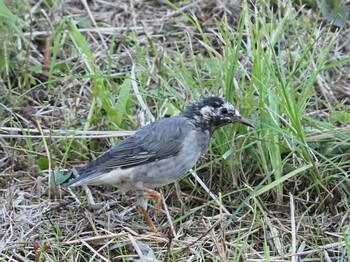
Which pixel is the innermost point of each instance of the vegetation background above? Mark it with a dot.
(77, 75)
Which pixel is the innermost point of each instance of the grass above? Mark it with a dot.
(276, 193)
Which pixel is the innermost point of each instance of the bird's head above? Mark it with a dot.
(213, 112)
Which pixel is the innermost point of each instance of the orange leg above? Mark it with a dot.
(151, 194)
(148, 219)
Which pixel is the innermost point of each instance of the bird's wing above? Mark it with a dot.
(156, 141)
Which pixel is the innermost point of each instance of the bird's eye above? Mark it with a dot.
(224, 111)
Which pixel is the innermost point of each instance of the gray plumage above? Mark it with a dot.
(161, 152)
(148, 155)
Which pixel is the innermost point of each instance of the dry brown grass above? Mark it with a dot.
(60, 228)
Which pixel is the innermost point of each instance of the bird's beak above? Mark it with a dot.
(243, 121)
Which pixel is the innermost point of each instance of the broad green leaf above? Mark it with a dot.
(43, 163)
(84, 23)
(124, 94)
(60, 177)
(339, 116)
(171, 109)
(6, 15)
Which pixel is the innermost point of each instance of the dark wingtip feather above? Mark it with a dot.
(69, 183)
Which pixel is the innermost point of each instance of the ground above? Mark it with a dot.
(78, 76)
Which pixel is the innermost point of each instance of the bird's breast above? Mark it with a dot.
(168, 170)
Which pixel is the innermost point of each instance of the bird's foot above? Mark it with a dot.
(152, 194)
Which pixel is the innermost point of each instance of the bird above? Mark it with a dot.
(159, 153)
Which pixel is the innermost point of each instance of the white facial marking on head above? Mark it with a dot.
(206, 110)
(230, 107)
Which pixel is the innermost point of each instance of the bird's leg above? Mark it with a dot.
(148, 219)
(142, 199)
(152, 194)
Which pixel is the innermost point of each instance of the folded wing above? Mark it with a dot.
(156, 141)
